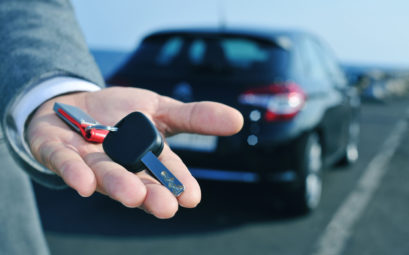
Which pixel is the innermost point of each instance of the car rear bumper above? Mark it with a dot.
(242, 176)
(243, 163)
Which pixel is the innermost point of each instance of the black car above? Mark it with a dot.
(300, 113)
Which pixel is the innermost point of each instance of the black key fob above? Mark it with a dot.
(136, 135)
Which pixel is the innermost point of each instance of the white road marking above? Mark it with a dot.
(333, 240)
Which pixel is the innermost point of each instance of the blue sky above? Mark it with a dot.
(360, 31)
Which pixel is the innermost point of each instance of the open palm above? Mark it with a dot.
(86, 168)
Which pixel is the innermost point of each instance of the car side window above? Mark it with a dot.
(244, 53)
(297, 64)
(331, 65)
(197, 51)
(171, 48)
(313, 65)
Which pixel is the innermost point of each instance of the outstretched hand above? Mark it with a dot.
(86, 168)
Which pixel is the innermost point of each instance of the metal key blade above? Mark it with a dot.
(162, 173)
(76, 115)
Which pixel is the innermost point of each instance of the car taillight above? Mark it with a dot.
(282, 101)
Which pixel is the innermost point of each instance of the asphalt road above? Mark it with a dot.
(364, 210)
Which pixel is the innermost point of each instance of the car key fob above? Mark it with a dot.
(136, 136)
(135, 145)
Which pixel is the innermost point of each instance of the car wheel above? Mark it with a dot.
(351, 153)
(307, 194)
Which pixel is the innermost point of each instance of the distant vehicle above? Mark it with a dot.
(300, 114)
(378, 83)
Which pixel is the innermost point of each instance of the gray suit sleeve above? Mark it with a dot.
(40, 39)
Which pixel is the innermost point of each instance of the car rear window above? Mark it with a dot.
(212, 54)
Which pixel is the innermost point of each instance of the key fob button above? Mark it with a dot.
(136, 136)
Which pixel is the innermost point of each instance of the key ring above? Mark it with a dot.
(101, 127)
(96, 132)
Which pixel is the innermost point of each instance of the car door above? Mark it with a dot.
(326, 95)
(348, 93)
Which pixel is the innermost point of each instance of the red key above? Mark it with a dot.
(81, 122)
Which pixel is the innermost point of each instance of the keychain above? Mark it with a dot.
(133, 150)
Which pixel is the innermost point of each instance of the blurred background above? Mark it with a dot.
(371, 45)
(363, 32)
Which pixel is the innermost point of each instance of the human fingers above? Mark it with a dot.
(160, 201)
(65, 160)
(205, 117)
(132, 190)
(191, 195)
(115, 181)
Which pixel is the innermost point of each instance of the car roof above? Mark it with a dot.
(267, 34)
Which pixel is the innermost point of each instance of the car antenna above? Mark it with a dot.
(222, 15)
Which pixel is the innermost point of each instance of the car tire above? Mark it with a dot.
(306, 195)
(351, 153)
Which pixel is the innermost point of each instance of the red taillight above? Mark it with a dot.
(282, 101)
